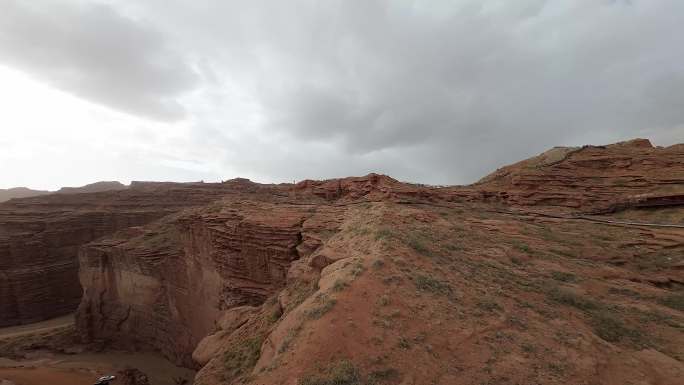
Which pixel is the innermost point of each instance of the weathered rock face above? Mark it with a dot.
(592, 178)
(38, 265)
(166, 285)
(373, 187)
(40, 238)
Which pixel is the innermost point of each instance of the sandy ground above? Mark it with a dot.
(85, 368)
(37, 327)
(45, 368)
(44, 376)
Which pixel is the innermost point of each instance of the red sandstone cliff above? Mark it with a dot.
(591, 178)
(167, 284)
(40, 238)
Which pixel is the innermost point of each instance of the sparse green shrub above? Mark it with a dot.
(528, 348)
(339, 285)
(291, 335)
(569, 298)
(563, 276)
(624, 291)
(357, 269)
(384, 300)
(360, 231)
(489, 305)
(611, 328)
(382, 375)
(343, 373)
(241, 358)
(521, 246)
(275, 315)
(654, 262)
(383, 233)
(325, 304)
(299, 293)
(606, 324)
(453, 247)
(516, 261)
(427, 283)
(570, 253)
(404, 343)
(418, 244)
(392, 279)
(557, 368)
(674, 301)
(547, 234)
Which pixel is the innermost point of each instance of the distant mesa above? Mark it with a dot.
(93, 187)
(19, 192)
(23, 192)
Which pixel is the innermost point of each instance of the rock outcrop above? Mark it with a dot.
(40, 238)
(166, 285)
(372, 187)
(591, 178)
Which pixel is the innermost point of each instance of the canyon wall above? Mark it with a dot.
(40, 238)
(165, 286)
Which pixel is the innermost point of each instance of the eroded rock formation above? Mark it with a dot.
(40, 238)
(165, 286)
(591, 178)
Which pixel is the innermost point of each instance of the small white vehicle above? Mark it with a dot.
(105, 380)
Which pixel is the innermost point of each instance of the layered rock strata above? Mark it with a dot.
(40, 238)
(591, 178)
(165, 286)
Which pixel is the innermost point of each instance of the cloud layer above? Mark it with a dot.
(430, 91)
(93, 51)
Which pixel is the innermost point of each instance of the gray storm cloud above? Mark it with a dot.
(93, 51)
(429, 91)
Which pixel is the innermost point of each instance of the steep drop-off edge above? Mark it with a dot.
(166, 285)
(40, 238)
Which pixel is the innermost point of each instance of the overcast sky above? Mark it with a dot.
(439, 92)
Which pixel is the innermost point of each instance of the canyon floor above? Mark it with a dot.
(47, 353)
(566, 268)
